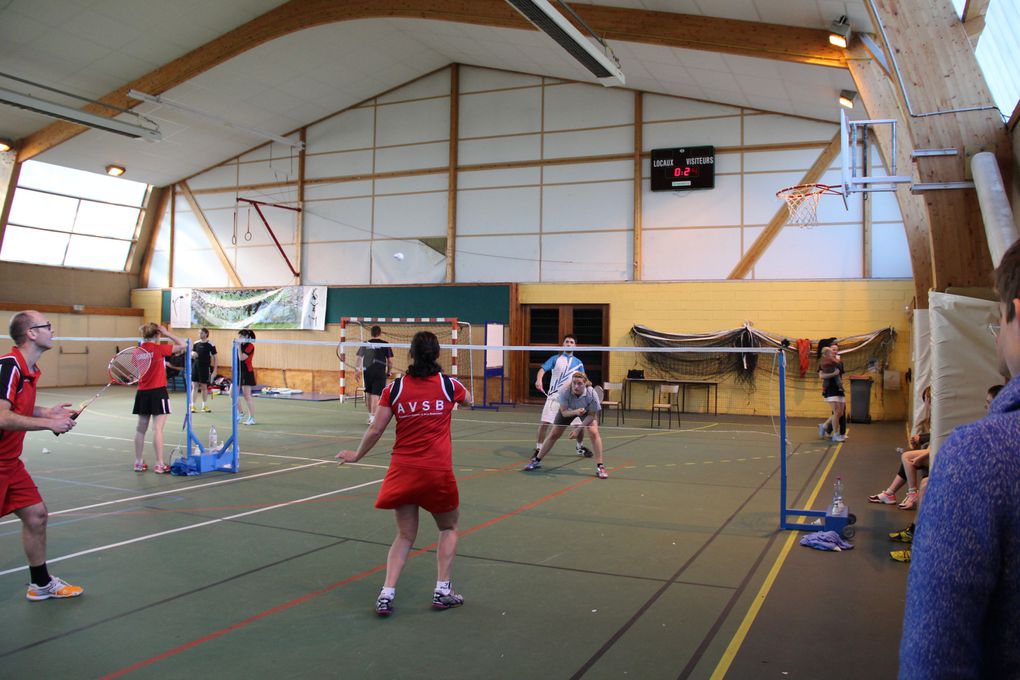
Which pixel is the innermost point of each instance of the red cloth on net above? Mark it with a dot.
(804, 350)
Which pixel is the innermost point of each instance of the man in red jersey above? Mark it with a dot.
(19, 376)
(421, 468)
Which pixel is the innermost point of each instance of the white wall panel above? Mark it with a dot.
(488, 211)
(221, 221)
(569, 107)
(410, 215)
(315, 192)
(884, 207)
(159, 270)
(398, 185)
(781, 161)
(589, 142)
(707, 132)
(822, 252)
(497, 258)
(414, 157)
(660, 107)
(477, 79)
(695, 208)
(586, 257)
(339, 164)
(498, 178)
(776, 129)
(500, 149)
(278, 170)
(760, 202)
(188, 235)
(218, 201)
(264, 266)
(199, 269)
(890, 253)
(437, 84)
(426, 120)
(418, 264)
(594, 207)
(589, 172)
(349, 130)
(339, 220)
(337, 264)
(500, 113)
(686, 254)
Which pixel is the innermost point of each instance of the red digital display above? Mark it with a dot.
(686, 172)
(683, 168)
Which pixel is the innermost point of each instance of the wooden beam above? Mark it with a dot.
(775, 225)
(639, 116)
(941, 74)
(747, 38)
(210, 234)
(8, 196)
(451, 193)
(974, 18)
(159, 200)
(300, 221)
(173, 225)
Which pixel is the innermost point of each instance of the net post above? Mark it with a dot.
(343, 355)
(453, 350)
(782, 439)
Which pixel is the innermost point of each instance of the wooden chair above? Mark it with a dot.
(607, 389)
(667, 401)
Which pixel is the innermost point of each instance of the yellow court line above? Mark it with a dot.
(738, 637)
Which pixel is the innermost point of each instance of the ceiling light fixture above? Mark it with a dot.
(5, 145)
(115, 170)
(544, 16)
(170, 103)
(77, 116)
(839, 32)
(846, 98)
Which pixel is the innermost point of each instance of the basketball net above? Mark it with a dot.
(802, 201)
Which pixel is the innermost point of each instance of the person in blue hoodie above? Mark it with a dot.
(962, 617)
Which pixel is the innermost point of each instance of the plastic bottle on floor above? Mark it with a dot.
(213, 438)
(837, 495)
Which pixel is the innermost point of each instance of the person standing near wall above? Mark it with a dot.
(32, 334)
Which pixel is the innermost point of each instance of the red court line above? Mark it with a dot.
(304, 598)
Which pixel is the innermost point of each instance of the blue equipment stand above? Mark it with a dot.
(838, 519)
(492, 372)
(225, 458)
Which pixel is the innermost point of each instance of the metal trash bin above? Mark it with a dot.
(860, 398)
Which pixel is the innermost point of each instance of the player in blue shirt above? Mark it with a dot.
(561, 366)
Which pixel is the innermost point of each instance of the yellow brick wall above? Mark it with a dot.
(795, 309)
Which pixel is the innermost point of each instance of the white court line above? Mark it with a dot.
(179, 489)
(147, 537)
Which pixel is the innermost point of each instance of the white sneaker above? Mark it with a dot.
(240, 416)
(821, 430)
(837, 437)
(55, 588)
(371, 419)
(249, 421)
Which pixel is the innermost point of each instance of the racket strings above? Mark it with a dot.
(130, 365)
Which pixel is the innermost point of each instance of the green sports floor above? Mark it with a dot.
(674, 567)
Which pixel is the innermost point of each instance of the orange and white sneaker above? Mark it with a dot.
(55, 588)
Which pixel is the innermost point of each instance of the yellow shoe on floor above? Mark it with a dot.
(192, 408)
(900, 555)
(206, 409)
(56, 588)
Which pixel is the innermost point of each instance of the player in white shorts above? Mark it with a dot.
(561, 366)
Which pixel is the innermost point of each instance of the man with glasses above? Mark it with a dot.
(19, 377)
(963, 592)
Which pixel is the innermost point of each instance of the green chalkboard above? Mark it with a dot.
(476, 304)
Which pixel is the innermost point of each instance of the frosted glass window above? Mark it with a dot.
(92, 252)
(22, 244)
(36, 209)
(48, 177)
(103, 219)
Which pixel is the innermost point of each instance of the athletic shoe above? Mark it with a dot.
(249, 421)
(240, 416)
(837, 437)
(161, 469)
(585, 451)
(900, 555)
(882, 497)
(192, 408)
(206, 409)
(904, 536)
(533, 465)
(371, 419)
(822, 427)
(141, 467)
(447, 601)
(910, 502)
(600, 471)
(56, 588)
(384, 606)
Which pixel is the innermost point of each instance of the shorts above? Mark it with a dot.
(245, 376)
(154, 402)
(17, 490)
(841, 399)
(202, 375)
(434, 490)
(551, 413)
(375, 380)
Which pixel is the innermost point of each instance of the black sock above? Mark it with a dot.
(911, 527)
(40, 575)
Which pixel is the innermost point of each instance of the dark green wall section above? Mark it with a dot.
(476, 304)
(166, 308)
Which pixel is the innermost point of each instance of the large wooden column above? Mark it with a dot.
(939, 73)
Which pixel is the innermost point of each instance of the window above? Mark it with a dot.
(997, 49)
(72, 218)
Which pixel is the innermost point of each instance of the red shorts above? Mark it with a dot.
(17, 490)
(434, 490)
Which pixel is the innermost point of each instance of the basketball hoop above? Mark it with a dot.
(802, 201)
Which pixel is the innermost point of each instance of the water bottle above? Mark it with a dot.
(213, 439)
(837, 495)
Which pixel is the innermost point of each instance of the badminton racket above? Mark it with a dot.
(126, 368)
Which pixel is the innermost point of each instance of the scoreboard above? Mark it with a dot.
(691, 167)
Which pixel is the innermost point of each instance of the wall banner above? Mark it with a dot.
(292, 307)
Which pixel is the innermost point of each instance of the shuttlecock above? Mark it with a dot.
(399, 257)
(45, 450)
